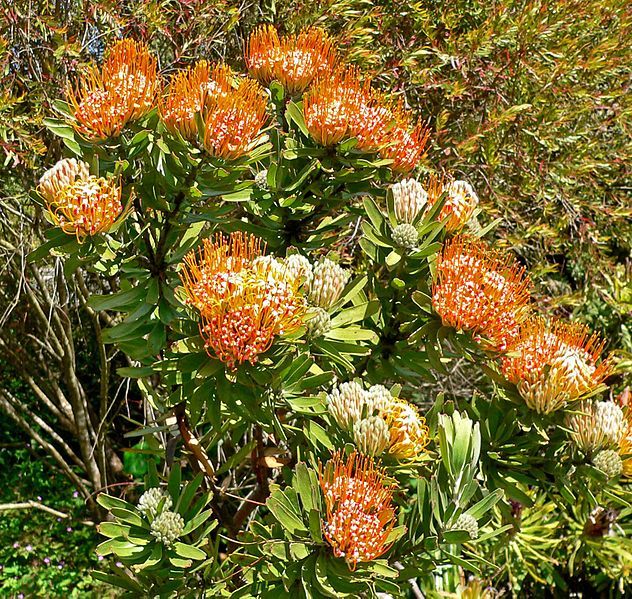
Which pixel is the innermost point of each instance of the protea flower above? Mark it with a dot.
(87, 206)
(235, 120)
(328, 282)
(481, 291)
(407, 429)
(191, 91)
(293, 60)
(371, 122)
(595, 424)
(63, 174)
(460, 201)
(360, 516)
(244, 302)
(407, 142)
(332, 104)
(554, 363)
(123, 91)
(409, 200)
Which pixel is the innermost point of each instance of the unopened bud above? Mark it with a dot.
(409, 199)
(467, 523)
(371, 435)
(405, 236)
(150, 499)
(60, 176)
(327, 285)
(318, 324)
(609, 462)
(167, 527)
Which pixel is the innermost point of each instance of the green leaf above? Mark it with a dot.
(295, 114)
(118, 581)
(188, 551)
(109, 502)
(283, 511)
(197, 521)
(118, 301)
(374, 213)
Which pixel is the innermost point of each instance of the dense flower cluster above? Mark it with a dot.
(150, 501)
(194, 91)
(554, 363)
(79, 203)
(481, 291)
(595, 424)
(403, 434)
(328, 280)
(360, 516)
(409, 200)
(244, 299)
(460, 201)
(124, 90)
(234, 121)
(293, 60)
(167, 527)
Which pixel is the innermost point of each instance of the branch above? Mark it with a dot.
(27, 505)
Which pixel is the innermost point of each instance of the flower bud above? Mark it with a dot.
(600, 424)
(167, 527)
(318, 324)
(609, 462)
(261, 180)
(346, 404)
(408, 429)
(60, 176)
(327, 285)
(409, 199)
(405, 236)
(299, 267)
(149, 500)
(460, 204)
(467, 523)
(371, 435)
(378, 398)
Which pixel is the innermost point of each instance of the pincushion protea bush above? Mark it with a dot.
(286, 270)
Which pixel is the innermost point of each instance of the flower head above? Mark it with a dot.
(360, 516)
(609, 462)
(123, 91)
(481, 291)
(372, 120)
(409, 200)
(332, 104)
(192, 91)
(234, 121)
(460, 201)
(262, 51)
(405, 236)
(244, 301)
(87, 207)
(150, 500)
(328, 282)
(371, 435)
(554, 363)
(407, 142)
(407, 429)
(595, 424)
(300, 268)
(468, 523)
(348, 403)
(62, 175)
(293, 60)
(319, 323)
(167, 527)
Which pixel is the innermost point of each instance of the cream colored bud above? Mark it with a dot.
(299, 267)
(318, 324)
(60, 176)
(371, 435)
(405, 236)
(167, 527)
(150, 499)
(346, 403)
(609, 462)
(596, 425)
(328, 283)
(409, 199)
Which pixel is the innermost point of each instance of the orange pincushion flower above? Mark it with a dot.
(235, 120)
(87, 206)
(553, 364)
(193, 91)
(294, 60)
(245, 299)
(123, 91)
(371, 124)
(332, 104)
(409, 433)
(479, 290)
(360, 516)
(407, 144)
(262, 51)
